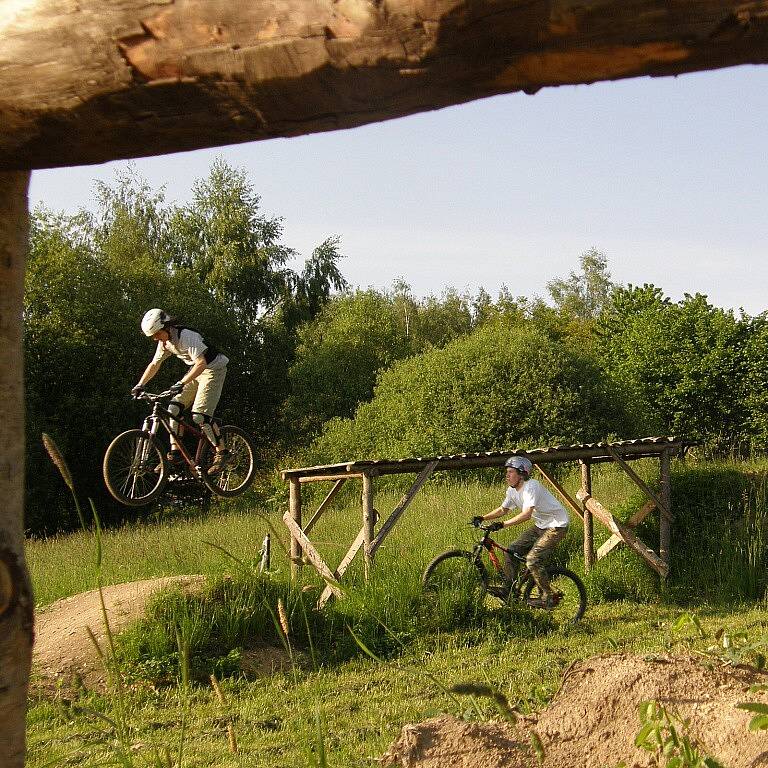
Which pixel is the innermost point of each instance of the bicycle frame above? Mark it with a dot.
(161, 416)
(522, 574)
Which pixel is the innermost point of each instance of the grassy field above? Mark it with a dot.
(334, 705)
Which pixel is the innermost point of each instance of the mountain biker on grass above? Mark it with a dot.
(201, 385)
(550, 524)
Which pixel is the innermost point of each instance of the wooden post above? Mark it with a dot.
(665, 527)
(294, 510)
(369, 519)
(589, 535)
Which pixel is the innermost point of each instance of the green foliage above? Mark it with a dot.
(584, 296)
(682, 362)
(506, 384)
(666, 738)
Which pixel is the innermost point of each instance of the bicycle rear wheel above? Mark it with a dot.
(455, 581)
(570, 595)
(239, 467)
(135, 468)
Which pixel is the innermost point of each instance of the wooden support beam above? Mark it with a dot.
(641, 484)
(334, 476)
(626, 534)
(559, 488)
(312, 554)
(389, 523)
(665, 523)
(369, 521)
(589, 532)
(294, 512)
(633, 522)
(326, 501)
(325, 595)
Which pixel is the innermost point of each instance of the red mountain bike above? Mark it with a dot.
(462, 580)
(137, 470)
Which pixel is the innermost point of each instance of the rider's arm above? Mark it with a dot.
(498, 512)
(199, 366)
(149, 372)
(521, 517)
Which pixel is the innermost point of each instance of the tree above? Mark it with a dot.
(584, 295)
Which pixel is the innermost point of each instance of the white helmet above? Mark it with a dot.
(520, 463)
(154, 321)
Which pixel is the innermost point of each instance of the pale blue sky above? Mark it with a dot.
(668, 177)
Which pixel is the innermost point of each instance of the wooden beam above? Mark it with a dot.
(294, 512)
(633, 522)
(589, 532)
(369, 521)
(559, 488)
(641, 484)
(148, 77)
(665, 524)
(334, 476)
(312, 554)
(326, 501)
(626, 534)
(389, 523)
(325, 595)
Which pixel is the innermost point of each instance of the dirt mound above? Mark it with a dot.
(63, 652)
(593, 720)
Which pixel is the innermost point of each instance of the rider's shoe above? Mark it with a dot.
(547, 602)
(221, 460)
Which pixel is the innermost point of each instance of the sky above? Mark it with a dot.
(668, 177)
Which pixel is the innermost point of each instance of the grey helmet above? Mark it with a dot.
(154, 321)
(520, 463)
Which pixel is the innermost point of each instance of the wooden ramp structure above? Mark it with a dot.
(585, 506)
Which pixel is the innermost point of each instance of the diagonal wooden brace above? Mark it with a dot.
(312, 554)
(633, 522)
(623, 532)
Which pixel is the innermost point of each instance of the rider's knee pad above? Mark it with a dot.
(206, 424)
(201, 418)
(175, 407)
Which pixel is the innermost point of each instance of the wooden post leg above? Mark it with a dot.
(589, 535)
(369, 519)
(665, 528)
(294, 509)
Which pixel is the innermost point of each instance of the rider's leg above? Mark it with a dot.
(538, 555)
(176, 407)
(207, 398)
(521, 545)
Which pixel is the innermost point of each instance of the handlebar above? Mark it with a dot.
(154, 397)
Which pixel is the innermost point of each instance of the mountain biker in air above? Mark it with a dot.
(201, 385)
(550, 524)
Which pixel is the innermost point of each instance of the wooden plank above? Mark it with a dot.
(641, 484)
(665, 524)
(625, 533)
(335, 476)
(312, 554)
(633, 522)
(559, 488)
(369, 520)
(294, 512)
(325, 595)
(389, 523)
(589, 529)
(326, 501)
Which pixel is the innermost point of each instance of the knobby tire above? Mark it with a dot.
(135, 468)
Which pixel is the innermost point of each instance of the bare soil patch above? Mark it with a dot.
(63, 652)
(593, 720)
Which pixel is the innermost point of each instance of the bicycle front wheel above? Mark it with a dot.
(570, 595)
(238, 468)
(135, 469)
(455, 581)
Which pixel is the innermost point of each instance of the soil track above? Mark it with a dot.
(63, 651)
(593, 720)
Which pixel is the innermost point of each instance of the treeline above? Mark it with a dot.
(321, 373)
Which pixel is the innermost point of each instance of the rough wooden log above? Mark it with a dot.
(589, 531)
(95, 80)
(324, 505)
(311, 553)
(641, 484)
(614, 541)
(294, 511)
(626, 534)
(16, 602)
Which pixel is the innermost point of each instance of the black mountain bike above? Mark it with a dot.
(137, 470)
(462, 580)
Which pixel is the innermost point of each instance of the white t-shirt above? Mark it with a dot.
(548, 512)
(187, 345)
